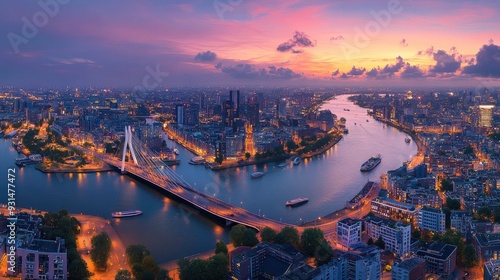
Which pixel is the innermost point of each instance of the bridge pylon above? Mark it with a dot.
(127, 146)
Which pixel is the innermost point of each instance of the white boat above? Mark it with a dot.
(36, 158)
(175, 151)
(297, 202)
(283, 164)
(257, 174)
(128, 213)
(407, 139)
(197, 161)
(296, 160)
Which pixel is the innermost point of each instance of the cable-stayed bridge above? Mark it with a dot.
(135, 158)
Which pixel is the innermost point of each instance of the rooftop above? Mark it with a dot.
(349, 221)
(438, 250)
(410, 263)
(41, 245)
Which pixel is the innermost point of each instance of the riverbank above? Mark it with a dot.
(421, 148)
(240, 163)
(55, 168)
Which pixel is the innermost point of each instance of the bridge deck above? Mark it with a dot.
(200, 199)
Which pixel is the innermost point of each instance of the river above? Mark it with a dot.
(171, 230)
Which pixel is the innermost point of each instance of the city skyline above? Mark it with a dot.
(283, 43)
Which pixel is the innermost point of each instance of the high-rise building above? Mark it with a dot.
(228, 113)
(281, 108)
(249, 143)
(485, 115)
(349, 232)
(431, 219)
(187, 114)
(179, 114)
(252, 113)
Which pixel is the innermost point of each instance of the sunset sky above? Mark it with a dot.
(118, 43)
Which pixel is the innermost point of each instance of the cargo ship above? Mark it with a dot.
(371, 163)
(297, 202)
(128, 213)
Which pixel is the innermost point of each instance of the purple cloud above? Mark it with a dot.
(403, 43)
(300, 39)
(487, 62)
(356, 71)
(207, 56)
(336, 38)
(248, 71)
(446, 63)
(411, 72)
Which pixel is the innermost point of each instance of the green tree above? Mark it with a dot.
(149, 264)
(236, 235)
(446, 185)
(100, 250)
(291, 146)
(310, 239)
(268, 234)
(468, 150)
(247, 155)
(469, 258)
(136, 253)
(497, 214)
(415, 234)
(483, 213)
(193, 269)
(380, 242)
(220, 247)
(288, 235)
(249, 238)
(323, 254)
(218, 267)
(78, 270)
(123, 274)
(137, 271)
(453, 204)
(370, 241)
(163, 274)
(147, 275)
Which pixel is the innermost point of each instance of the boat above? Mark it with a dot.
(347, 110)
(296, 160)
(297, 202)
(367, 120)
(36, 158)
(257, 174)
(371, 163)
(407, 139)
(128, 213)
(345, 131)
(197, 161)
(175, 150)
(283, 164)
